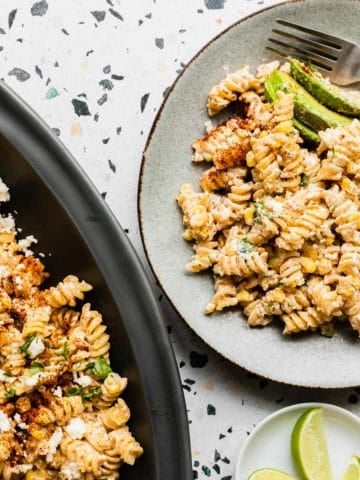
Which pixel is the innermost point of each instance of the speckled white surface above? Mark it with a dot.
(54, 52)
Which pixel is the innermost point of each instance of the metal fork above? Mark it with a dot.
(338, 58)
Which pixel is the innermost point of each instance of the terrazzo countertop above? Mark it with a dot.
(97, 71)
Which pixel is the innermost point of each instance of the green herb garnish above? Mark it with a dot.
(99, 369)
(25, 346)
(244, 246)
(73, 391)
(36, 367)
(304, 182)
(259, 210)
(90, 394)
(11, 393)
(66, 351)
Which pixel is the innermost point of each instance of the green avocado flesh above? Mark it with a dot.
(306, 133)
(307, 109)
(324, 91)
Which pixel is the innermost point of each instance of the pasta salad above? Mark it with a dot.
(277, 223)
(61, 411)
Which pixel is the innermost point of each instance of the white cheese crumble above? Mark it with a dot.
(25, 243)
(7, 223)
(4, 271)
(76, 428)
(82, 380)
(275, 206)
(70, 471)
(6, 378)
(36, 347)
(17, 418)
(54, 442)
(25, 467)
(4, 422)
(57, 392)
(4, 192)
(32, 380)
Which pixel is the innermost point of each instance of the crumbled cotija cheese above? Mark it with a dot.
(57, 392)
(36, 347)
(32, 380)
(6, 378)
(70, 471)
(4, 192)
(54, 442)
(7, 223)
(82, 380)
(4, 422)
(25, 243)
(76, 428)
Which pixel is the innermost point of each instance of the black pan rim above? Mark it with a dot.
(22, 126)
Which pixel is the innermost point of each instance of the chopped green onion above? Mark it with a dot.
(25, 346)
(100, 369)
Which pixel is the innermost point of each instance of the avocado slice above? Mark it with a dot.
(305, 132)
(306, 108)
(324, 91)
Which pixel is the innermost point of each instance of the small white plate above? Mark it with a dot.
(268, 446)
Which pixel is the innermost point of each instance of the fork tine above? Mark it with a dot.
(315, 59)
(314, 47)
(301, 57)
(321, 37)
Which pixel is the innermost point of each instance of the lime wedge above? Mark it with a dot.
(309, 448)
(353, 470)
(270, 474)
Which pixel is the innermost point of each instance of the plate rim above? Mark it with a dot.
(278, 413)
(140, 213)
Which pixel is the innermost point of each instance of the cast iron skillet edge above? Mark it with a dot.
(124, 275)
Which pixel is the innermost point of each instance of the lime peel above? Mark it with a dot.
(269, 474)
(353, 469)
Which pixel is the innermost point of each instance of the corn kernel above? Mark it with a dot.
(346, 184)
(284, 127)
(250, 159)
(329, 240)
(36, 475)
(244, 296)
(5, 303)
(37, 433)
(309, 266)
(278, 295)
(249, 215)
(311, 252)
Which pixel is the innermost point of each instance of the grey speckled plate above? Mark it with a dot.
(308, 360)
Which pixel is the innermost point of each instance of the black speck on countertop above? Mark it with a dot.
(106, 84)
(11, 18)
(102, 99)
(198, 360)
(159, 42)
(39, 8)
(112, 166)
(99, 15)
(214, 4)
(144, 100)
(20, 74)
(81, 108)
(116, 14)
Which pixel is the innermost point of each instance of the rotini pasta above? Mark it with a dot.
(282, 232)
(61, 415)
